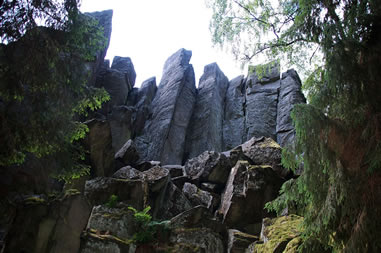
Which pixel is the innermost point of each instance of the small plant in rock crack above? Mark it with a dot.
(112, 201)
(147, 228)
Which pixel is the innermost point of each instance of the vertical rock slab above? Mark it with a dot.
(121, 125)
(234, 118)
(164, 135)
(105, 23)
(125, 65)
(99, 143)
(205, 131)
(262, 103)
(290, 94)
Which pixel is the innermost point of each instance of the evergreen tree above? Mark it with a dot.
(43, 81)
(338, 132)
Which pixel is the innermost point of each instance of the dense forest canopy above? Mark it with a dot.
(338, 132)
(43, 80)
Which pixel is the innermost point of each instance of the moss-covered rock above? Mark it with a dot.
(280, 234)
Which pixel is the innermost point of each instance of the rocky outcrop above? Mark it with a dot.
(164, 134)
(105, 22)
(261, 103)
(234, 119)
(290, 94)
(206, 125)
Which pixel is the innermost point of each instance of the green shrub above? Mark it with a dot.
(112, 201)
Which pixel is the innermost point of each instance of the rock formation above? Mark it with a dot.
(205, 160)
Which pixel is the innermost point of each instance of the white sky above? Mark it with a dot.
(149, 31)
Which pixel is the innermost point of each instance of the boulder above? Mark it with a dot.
(127, 173)
(121, 123)
(174, 203)
(278, 233)
(265, 151)
(234, 130)
(248, 188)
(99, 143)
(146, 165)
(197, 196)
(164, 135)
(128, 153)
(98, 243)
(175, 170)
(261, 104)
(205, 130)
(125, 65)
(195, 240)
(100, 189)
(210, 166)
(117, 221)
(238, 241)
(290, 94)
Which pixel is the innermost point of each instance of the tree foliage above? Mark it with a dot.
(338, 132)
(43, 80)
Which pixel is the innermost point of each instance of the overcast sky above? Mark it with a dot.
(149, 31)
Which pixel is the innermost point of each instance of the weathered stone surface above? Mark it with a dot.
(127, 173)
(146, 165)
(128, 153)
(174, 203)
(125, 65)
(99, 143)
(248, 188)
(205, 130)
(198, 217)
(265, 151)
(144, 98)
(43, 226)
(164, 134)
(117, 221)
(261, 107)
(114, 81)
(290, 94)
(210, 166)
(239, 241)
(202, 240)
(121, 123)
(132, 192)
(234, 119)
(277, 233)
(197, 196)
(175, 170)
(105, 21)
(93, 243)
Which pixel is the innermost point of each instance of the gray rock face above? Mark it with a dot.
(197, 196)
(261, 106)
(114, 81)
(121, 124)
(205, 132)
(105, 21)
(210, 166)
(290, 94)
(125, 65)
(164, 135)
(118, 221)
(128, 153)
(234, 118)
(248, 188)
(238, 241)
(99, 143)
